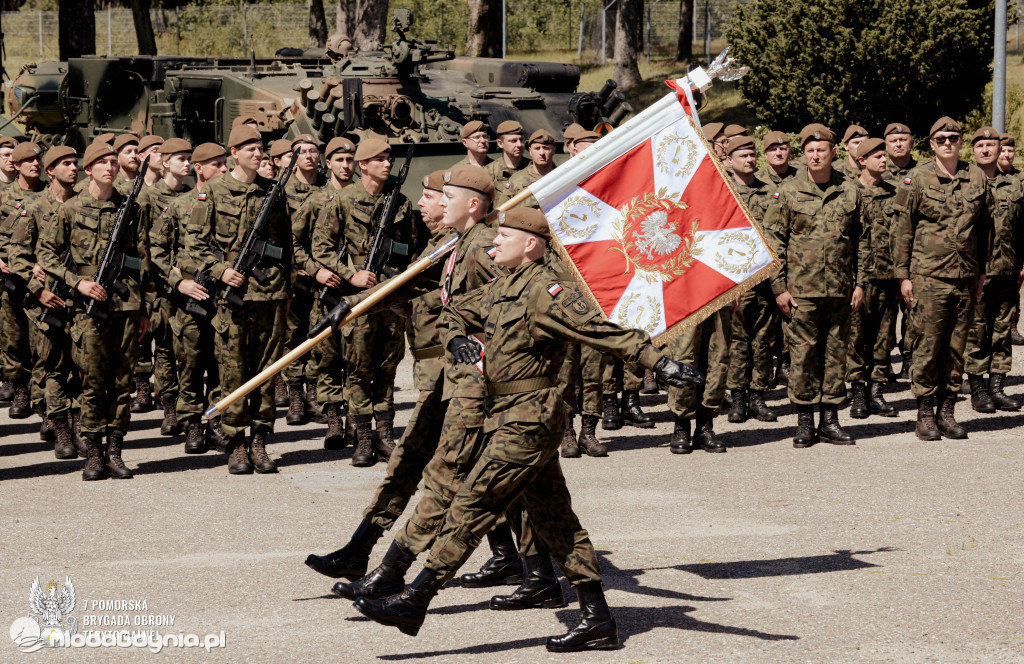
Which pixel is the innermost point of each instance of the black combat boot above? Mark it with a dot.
(169, 426)
(782, 372)
(63, 447)
(704, 434)
(46, 432)
(384, 436)
(759, 409)
(94, 468)
(569, 448)
(75, 424)
(612, 419)
(6, 390)
(407, 609)
(280, 392)
(261, 461)
(296, 406)
(858, 401)
(805, 433)
(981, 400)
(877, 403)
(540, 589)
(21, 408)
(596, 630)
(588, 441)
(1002, 400)
(503, 568)
(350, 561)
(195, 441)
(948, 426)
(363, 456)
(927, 429)
(632, 413)
(214, 436)
(829, 430)
(238, 456)
(387, 579)
(142, 402)
(680, 442)
(905, 366)
(650, 382)
(335, 438)
(738, 411)
(312, 406)
(112, 459)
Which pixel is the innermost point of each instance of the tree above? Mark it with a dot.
(627, 43)
(76, 29)
(317, 24)
(871, 61)
(684, 49)
(143, 27)
(372, 23)
(345, 18)
(484, 38)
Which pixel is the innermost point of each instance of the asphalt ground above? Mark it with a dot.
(893, 550)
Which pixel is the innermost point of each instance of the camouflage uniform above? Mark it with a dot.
(304, 289)
(501, 173)
(16, 334)
(780, 330)
(939, 240)
(768, 175)
(517, 183)
(706, 347)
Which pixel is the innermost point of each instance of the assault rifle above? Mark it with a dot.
(114, 261)
(58, 318)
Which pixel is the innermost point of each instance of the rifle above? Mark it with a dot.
(114, 261)
(253, 247)
(382, 245)
(58, 318)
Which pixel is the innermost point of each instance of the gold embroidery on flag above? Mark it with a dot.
(652, 247)
(571, 210)
(676, 152)
(736, 259)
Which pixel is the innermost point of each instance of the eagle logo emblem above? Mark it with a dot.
(656, 239)
(52, 608)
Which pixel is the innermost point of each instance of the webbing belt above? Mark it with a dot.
(517, 386)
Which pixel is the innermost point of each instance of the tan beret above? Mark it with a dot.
(572, 131)
(587, 137)
(740, 143)
(509, 127)
(945, 123)
(304, 138)
(207, 151)
(339, 143)
(279, 148)
(736, 130)
(1007, 139)
(472, 127)
(7, 142)
(95, 151)
(983, 133)
(470, 177)
(56, 153)
(775, 138)
(243, 134)
(174, 146)
(125, 140)
(434, 180)
(244, 119)
(868, 146)
(370, 148)
(816, 132)
(712, 129)
(896, 128)
(25, 151)
(107, 138)
(854, 131)
(149, 141)
(541, 136)
(526, 219)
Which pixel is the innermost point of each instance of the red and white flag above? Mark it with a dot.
(651, 223)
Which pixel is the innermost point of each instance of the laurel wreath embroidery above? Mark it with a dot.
(748, 257)
(565, 229)
(684, 155)
(640, 209)
(653, 319)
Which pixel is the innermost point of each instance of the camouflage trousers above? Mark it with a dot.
(247, 339)
(579, 379)
(60, 381)
(300, 309)
(819, 331)
(940, 321)
(872, 332)
(165, 368)
(332, 366)
(988, 345)
(37, 342)
(374, 346)
(569, 379)
(16, 350)
(619, 376)
(517, 469)
(754, 327)
(144, 356)
(198, 376)
(706, 347)
(105, 356)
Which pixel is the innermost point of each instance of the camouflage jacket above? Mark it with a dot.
(154, 204)
(167, 239)
(768, 174)
(757, 196)
(217, 227)
(894, 173)
(501, 173)
(426, 309)
(518, 182)
(84, 224)
(13, 201)
(817, 237)
(942, 224)
(24, 242)
(303, 222)
(528, 319)
(1005, 250)
(878, 220)
(847, 170)
(466, 162)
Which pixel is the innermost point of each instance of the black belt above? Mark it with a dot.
(507, 387)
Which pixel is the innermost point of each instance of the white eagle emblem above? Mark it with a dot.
(51, 607)
(656, 235)
(29, 635)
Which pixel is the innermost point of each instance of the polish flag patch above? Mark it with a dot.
(554, 290)
(906, 180)
(202, 197)
(492, 252)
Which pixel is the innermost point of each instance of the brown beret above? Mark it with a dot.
(434, 180)
(107, 138)
(56, 153)
(7, 142)
(279, 148)
(174, 146)
(125, 139)
(1007, 139)
(854, 131)
(95, 151)
(816, 132)
(243, 134)
(339, 143)
(572, 131)
(243, 119)
(304, 138)
(541, 136)
(736, 130)
(587, 137)
(526, 219)
(370, 148)
(207, 151)
(149, 141)
(470, 177)
(712, 129)
(509, 127)
(868, 146)
(896, 128)
(775, 138)
(740, 143)
(945, 123)
(472, 127)
(25, 151)
(985, 133)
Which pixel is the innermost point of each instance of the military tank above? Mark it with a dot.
(409, 92)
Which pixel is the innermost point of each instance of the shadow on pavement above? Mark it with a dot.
(837, 561)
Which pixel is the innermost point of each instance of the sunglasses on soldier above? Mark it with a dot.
(946, 138)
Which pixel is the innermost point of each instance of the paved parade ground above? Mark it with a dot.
(892, 550)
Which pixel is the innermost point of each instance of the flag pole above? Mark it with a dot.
(387, 288)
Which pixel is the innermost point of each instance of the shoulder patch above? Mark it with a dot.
(492, 279)
(508, 185)
(775, 195)
(330, 198)
(24, 212)
(492, 252)
(577, 306)
(906, 180)
(554, 289)
(202, 196)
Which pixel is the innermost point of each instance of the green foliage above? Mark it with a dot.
(868, 62)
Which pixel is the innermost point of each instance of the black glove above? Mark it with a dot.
(677, 374)
(464, 351)
(331, 319)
